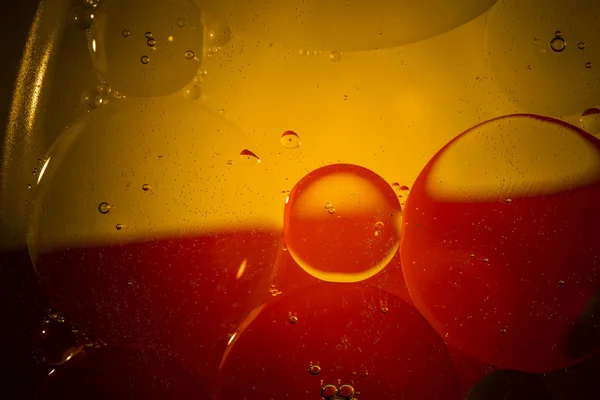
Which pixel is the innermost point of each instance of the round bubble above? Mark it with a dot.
(541, 72)
(118, 41)
(345, 25)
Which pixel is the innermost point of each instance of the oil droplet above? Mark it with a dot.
(81, 17)
(181, 22)
(56, 343)
(403, 188)
(145, 187)
(558, 33)
(290, 140)
(328, 391)
(365, 373)
(88, 101)
(588, 65)
(230, 162)
(148, 35)
(293, 319)
(561, 282)
(189, 54)
(331, 210)
(581, 45)
(558, 44)
(384, 309)
(327, 205)
(249, 158)
(335, 56)
(378, 228)
(345, 97)
(314, 369)
(101, 100)
(119, 227)
(125, 33)
(502, 331)
(191, 92)
(104, 89)
(145, 59)
(104, 208)
(29, 186)
(218, 33)
(302, 52)
(485, 260)
(346, 391)
(590, 120)
(151, 42)
(508, 201)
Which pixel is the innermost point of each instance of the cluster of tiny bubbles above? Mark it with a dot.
(590, 120)
(557, 43)
(274, 291)
(329, 207)
(335, 56)
(93, 3)
(82, 17)
(101, 96)
(304, 52)
(341, 392)
(212, 50)
(290, 140)
(104, 208)
(249, 158)
(57, 341)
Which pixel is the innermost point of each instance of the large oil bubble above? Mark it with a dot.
(539, 51)
(346, 25)
(142, 47)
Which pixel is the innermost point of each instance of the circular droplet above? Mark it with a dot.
(293, 319)
(104, 89)
(335, 56)
(119, 227)
(148, 35)
(249, 158)
(314, 369)
(217, 33)
(581, 45)
(191, 92)
(290, 140)
(145, 59)
(485, 260)
(331, 210)
(145, 187)
(151, 42)
(345, 97)
(346, 391)
(100, 100)
(104, 208)
(189, 54)
(561, 282)
(590, 120)
(56, 343)
(384, 309)
(502, 331)
(88, 100)
(230, 162)
(181, 22)
(328, 391)
(558, 44)
(588, 65)
(508, 201)
(81, 17)
(558, 33)
(125, 33)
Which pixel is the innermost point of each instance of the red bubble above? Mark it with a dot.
(340, 223)
(499, 244)
(183, 296)
(342, 330)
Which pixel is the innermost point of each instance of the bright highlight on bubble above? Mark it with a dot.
(341, 223)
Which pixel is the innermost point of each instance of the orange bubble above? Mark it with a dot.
(341, 223)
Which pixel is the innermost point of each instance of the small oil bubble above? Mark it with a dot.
(558, 33)
(335, 56)
(148, 35)
(302, 52)
(151, 42)
(145, 187)
(230, 162)
(100, 100)
(331, 210)
(558, 44)
(81, 17)
(125, 33)
(581, 45)
(88, 101)
(56, 343)
(379, 228)
(181, 22)
(191, 92)
(293, 319)
(384, 309)
(561, 282)
(314, 369)
(104, 89)
(345, 97)
(502, 331)
(346, 391)
(119, 227)
(329, 391)
(290, 140)
(29, 186)
(218, 33)
(485, 260)
(104, 208)
(508, 201)
(249, 158)
(145, 59)
(189, 54)
(588, 65)
(590, 120)
(327, 205)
